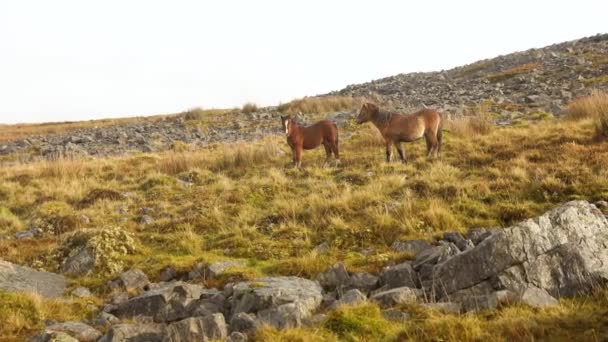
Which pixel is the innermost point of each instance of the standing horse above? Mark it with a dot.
(306, 138)
(398, 128)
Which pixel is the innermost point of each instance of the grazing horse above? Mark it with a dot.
(306, 138)
(398, 128)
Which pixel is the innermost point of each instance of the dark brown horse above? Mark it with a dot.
(398, 128)
(306, 138)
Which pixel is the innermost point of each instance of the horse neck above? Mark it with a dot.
(381, 119)
(294, 129)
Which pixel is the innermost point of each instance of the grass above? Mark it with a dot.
(514, 71)
(595, 107)
(245, 201)
(325, 104)
(249, 107)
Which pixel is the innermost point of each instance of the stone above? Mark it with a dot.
(290, 315)
(148, 332)
(15, 278)
(105, 319)
(211, 327)
(434, 255)
(561, 252)
(169, 302)
(168, 273)
(81, 292)
(334, 277)
(399, 295)
(243, 322)
(145, 220)
(398, 276)
(131, 280)
(537, 298)
(79, 264)
(271, 292)
(411, 246)
(363, 281)
(350, 297)
(216, 269)
(453, 237)
(236, 336)
(53, 337)
(478, 302)
(78, 330)
(26, 234)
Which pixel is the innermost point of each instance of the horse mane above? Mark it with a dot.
(383, 116)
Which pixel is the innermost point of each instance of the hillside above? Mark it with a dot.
(194, 226)
(534, 80)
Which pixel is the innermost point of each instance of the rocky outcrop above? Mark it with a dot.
(24, 279)
(522, 82)
(563, 252)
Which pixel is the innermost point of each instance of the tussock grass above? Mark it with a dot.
(514, 71)
(325, 104)
(595, 107)
(249, 107)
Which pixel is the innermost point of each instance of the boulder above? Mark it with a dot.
(148, 332)
(274, 296)
(351, 297)
(395, 315)
(244, 323)
(445, 307)
(399, 295)
(562, 252)
(434, 255)
(208, 328)
(218, 268)
(236, 336)
(24, 279)
(363, 281)
(398, 276)
(335, 277)
(81, 331)
(81, 292)
(169, 302)
(80, 263)
(131, 280)
(168, 273)
(537, 298)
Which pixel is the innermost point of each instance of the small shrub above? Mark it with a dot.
(57, 217)
(363, 322)
(470, 126)
(9, 222)
(249, 108)
(98, 195)
(193, 114)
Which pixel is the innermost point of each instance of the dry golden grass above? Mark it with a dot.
(514, 71)
(325, 104)
(595, 107)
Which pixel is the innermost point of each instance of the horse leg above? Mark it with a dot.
(298, 157)
(439, 139)
(401, 152)
(431, 140)
(336, 150)
(327, 146)
(293, 155)
(389, 151)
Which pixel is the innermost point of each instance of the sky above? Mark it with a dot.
(77, 60)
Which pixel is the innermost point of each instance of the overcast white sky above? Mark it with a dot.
(75, 60)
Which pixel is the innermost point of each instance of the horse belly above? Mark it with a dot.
(309, 144)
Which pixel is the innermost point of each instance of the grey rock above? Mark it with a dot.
(435, 254)
(81, 292)
(363, 281)
(211, 327)
(537, 298)
(131, 280)
(399, 295)
(218, 268)
(290, 315)
(54, 336)
(350, 297)
(236, 336)
(168, 273)
(79, 264)
(398, 276)
(478, 302)
(272, 292)
(322, 248)
(149, 332)
(562, 252)
(334, 277)
(244, 323)
(26, 234)
(15, 278)
(104, 319)
(145, 219)
(78, 330)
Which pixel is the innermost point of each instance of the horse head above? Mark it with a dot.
(286, 121)
(367, 112)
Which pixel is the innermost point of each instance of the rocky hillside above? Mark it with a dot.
(530, 81)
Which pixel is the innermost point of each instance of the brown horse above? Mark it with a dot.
(306, 138)
(398, 128)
